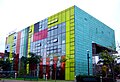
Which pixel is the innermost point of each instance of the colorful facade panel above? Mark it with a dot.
(40, 35)
(65, 35)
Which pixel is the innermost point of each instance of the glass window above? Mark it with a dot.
(55, 47)
(63, 38)
(59, 29)
(63, 27)
(51, 33)
(59, 39)
(59, 49)
(55, 31)
(56, 43)
(59, 46)
(51, 51)
(63, 49)
(51, 44)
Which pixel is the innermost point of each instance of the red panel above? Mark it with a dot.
(47, 61)
(55, 59)
(18, 43)
(40, 35)
(48, 67)
(41, 68)
(16, 60)
(63, 63)
(62, 71)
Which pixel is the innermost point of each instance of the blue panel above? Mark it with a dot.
(36, 27)
(88, 30)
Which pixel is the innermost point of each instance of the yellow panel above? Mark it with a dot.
(67, 63)
(63, 16)
(72, 52)
(72, 48)
(72, 24)
(72, 64)
(72, 28)
(27, 68)
(72, 56)
(56, 16)
(72, 17)
(72, 20)
(72, 74)
(72, 69)
(52, 18)
(72, 43)
(49, 18)
(31, 31)
(72, 39)
(10, 42)
(67, 13)
(67, 48)
(71, 60)
(67, 73)
(67, 37)
(67, 26)
(72, 35)
(72, 10)
(59, 18)
(72, 32)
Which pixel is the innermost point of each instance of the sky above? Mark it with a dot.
(16, 15)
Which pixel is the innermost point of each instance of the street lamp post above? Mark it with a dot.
(88, 61)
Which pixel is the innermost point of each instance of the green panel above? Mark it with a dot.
(67, 49)
(67, 63)
(60, 17)
(67, 26)
(72, 11)
(72, 60)
(30, 35)
(71, 52)
(67, 73)
(10, 42)
(63, 16)
(67, 15)
(67, 37)
(70, 63)
(53, 20)
(72, 28)
(72, 55)
(72, 74)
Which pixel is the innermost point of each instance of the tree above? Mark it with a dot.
(24, 62)
(34, 61)
(108, 60)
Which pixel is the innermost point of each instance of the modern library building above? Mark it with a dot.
(71, 34)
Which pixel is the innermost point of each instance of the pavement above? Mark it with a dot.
(118, 80)
(5, 80)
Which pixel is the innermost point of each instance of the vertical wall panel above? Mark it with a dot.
(18, 43)
(30, 39)
(69, 74)
(85, 34)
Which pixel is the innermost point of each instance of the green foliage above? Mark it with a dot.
(5, 65)
(34, 59)
(107, 58)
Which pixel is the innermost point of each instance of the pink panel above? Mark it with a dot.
(18, 43)
(40, 35)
